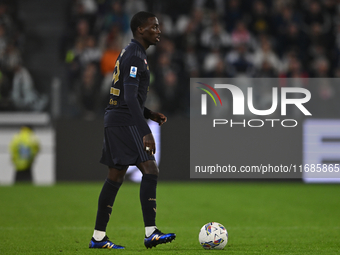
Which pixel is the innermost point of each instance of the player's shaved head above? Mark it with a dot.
(139, 19)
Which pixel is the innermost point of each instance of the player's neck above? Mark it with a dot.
(142, 42)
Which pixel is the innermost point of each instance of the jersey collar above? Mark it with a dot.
(139, 44)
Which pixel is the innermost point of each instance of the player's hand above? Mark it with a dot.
(149, 144)
(160, 118)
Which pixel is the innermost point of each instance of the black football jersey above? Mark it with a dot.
(131, 69)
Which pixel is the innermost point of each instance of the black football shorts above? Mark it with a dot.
(123, 146)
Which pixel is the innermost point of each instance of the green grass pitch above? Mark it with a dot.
(261, 218)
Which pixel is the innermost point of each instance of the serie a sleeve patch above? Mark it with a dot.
(133, 71)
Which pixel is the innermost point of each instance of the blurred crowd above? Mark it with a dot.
(97, 32)
(200, 38)
(17, 90)
(250, 38)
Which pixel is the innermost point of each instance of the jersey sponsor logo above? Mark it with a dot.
(133, 71)
(114, 91)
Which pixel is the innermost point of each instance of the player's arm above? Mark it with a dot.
(132, 73)
(130, 97)
(160, 118)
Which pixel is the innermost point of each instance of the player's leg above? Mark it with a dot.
(115, 139)
(147, 194)
(106, 199)
(24, 175)
(153, 236)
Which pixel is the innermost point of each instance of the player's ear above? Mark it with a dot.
(140, 30)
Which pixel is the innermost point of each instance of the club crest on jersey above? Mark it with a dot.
(133, 71)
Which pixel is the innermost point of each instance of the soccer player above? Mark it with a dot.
(127, 137)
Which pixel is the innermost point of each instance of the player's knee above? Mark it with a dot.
(119, 179)
(153, 170)
(116, 175)
(149, 167)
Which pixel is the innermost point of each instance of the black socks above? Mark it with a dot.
(148, 198)
(106, 198)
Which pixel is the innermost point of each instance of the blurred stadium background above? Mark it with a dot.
(57, 57)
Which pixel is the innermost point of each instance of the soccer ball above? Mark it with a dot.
(213, 235)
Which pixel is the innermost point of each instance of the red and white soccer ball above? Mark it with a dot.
(213, 235)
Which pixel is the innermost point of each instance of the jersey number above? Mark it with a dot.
(115, 76)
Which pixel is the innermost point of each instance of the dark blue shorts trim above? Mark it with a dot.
(139, 143)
